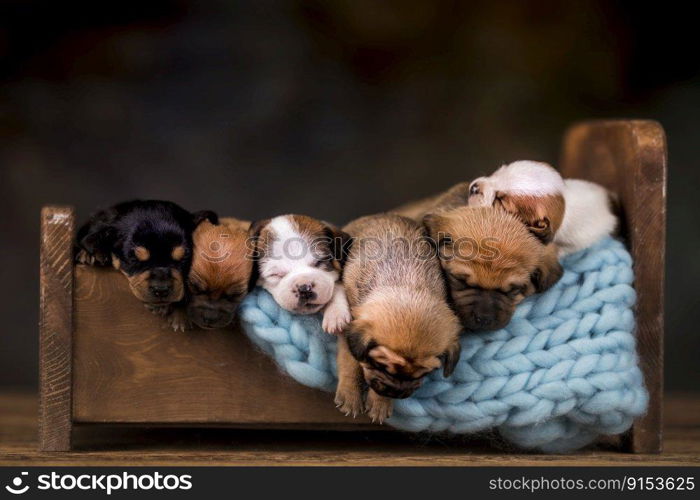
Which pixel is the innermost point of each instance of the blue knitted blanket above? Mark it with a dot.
(563, 371)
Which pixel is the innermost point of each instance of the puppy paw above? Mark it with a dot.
(348, 399)
(335, 318)
(179, 321)
(379, 408)
(83, 257)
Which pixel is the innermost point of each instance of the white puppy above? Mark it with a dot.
(572, 213)
(530, 178)
(531, 190)
(299, 262)
(588, 217)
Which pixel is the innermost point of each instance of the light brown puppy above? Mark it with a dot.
(491, 262)
(220, 277)
(403, 327)
(541, 216)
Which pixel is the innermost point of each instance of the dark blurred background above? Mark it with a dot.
(334, 108)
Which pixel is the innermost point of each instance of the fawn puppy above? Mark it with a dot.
(403, 328)
(491, 262)
(222, 268)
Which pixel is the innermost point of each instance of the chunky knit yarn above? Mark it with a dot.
(563, 371)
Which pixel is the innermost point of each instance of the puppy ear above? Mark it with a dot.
(541, 214)
(97, 238)
(450, 358)
(253, 250)
(433, 223)
(548, 272)
(254, 236)
(340, 241)
(256, 228)
(202, 215)
(357, 341)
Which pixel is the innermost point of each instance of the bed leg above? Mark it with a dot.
(56, 328)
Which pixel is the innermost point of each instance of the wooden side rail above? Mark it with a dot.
(629, 157)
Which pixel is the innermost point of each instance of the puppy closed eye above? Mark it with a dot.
(232, 297)
(515, 291)
(323, 263)
(275, 273)
(460, 281)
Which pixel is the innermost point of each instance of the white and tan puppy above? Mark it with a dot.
(299, 261)
(403, 328)
(533, 191)
(572, 213)
(589, 216)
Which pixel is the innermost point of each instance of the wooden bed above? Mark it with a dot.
(104, 359)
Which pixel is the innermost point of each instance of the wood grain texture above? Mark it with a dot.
(629, 157)
(128, 367)
(55, 327)
(134, 445)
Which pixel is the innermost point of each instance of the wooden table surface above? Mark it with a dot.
(97, 445)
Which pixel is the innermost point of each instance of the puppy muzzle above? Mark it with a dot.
(484, 310)
(391, 387)
(158, 286)
(210, 318)
(161, 286)
(304, 292)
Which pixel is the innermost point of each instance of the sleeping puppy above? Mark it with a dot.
(589, 216)
(222, 267)
(150, 242)
(403, 328)
(299, 262)
(572, 213)
(491, 262)
(531, 190)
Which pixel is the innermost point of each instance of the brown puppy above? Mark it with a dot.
(222, 266)
(491, 262)
(403, 327)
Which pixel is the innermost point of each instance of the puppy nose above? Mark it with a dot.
(306, 291)
(211, 315)
(160, 290)
(481, 321)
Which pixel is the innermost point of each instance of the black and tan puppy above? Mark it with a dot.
(491, 262)
(150, 242)
(221, 272)
(403, 328)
